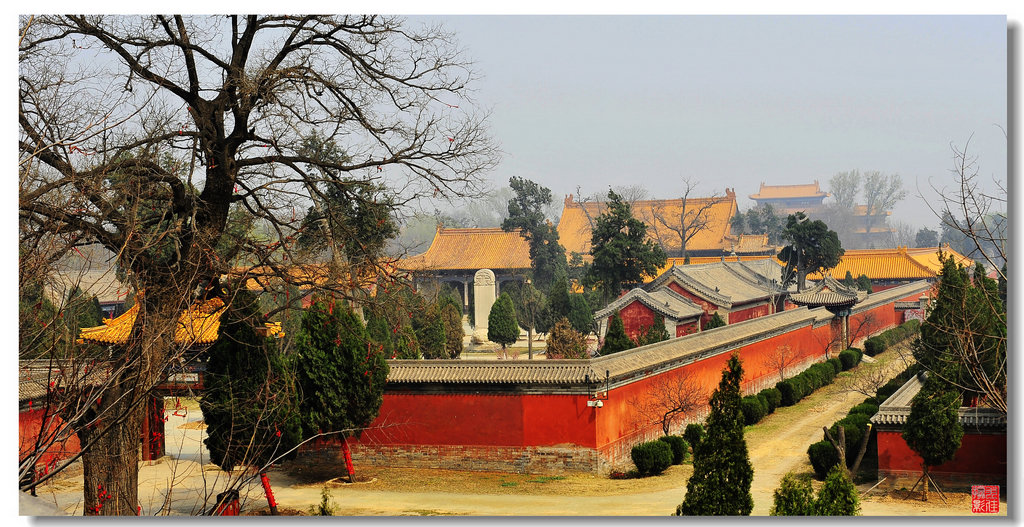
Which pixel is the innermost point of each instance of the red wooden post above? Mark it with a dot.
(348, 461)
(270, 493)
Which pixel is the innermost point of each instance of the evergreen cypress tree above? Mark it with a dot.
(451, 320)
(933, 428)
(794, 497)
(430, 334)
(341, 376)
(501, 322)
(250, 399)
(722, 474)
(716, 321)
(655, 333)
(838, 496)
(406, 346)
(616, 339)
(379, 332)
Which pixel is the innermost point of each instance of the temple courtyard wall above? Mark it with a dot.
(551, 416)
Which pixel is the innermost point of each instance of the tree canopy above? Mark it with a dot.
(526, 212)
(622, 253)
(502, 326)
(812, 248)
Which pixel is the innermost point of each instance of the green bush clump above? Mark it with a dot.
(652, 458)
(789, 391)
(838, 496)
(794, 497)
(764, 404)
(753, 410)
(874, 345)
(865, 408)
(679, 448)
(823, 457)
(837, 365)
(694, 434)
(773, 397)
(849, 358)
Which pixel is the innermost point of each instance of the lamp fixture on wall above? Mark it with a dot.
(596, 400)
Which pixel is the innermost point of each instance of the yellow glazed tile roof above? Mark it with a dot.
(197, 325)
(891, 264)
(472, 249)
(574, 228)
(809, 190)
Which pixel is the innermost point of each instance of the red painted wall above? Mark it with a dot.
(30, 422)
(636, 317)
(748, 312)
(978, 454)
(872, 321)
(687, 328)
(708, 307)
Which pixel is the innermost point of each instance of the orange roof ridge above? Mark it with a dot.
(803, 190)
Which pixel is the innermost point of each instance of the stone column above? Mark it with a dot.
(483, 299)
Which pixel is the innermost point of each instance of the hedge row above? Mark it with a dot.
(756, 407)
(879, 343)
(823, 455)
(821, 374)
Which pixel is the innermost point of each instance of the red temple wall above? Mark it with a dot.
(979, 454)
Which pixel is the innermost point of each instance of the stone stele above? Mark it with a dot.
(483, 299)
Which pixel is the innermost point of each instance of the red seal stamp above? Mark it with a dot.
(985, 499)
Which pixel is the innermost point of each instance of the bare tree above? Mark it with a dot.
(902, 235)
(668, 402)
(881, 194)
(781, 359)
(694, 217)
(155, 136)
(844, 188)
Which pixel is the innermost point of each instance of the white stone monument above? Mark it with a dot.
(483, 299)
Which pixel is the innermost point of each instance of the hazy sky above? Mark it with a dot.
(598, 101)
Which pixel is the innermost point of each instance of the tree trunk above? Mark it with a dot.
(863, 448)
(529, 343)
(111, 462)
(348, 460)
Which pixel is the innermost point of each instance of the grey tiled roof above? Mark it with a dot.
(828, 292)
(891, 295)
(489, 371)
(896, 409)
(715, 282)
(666, 302)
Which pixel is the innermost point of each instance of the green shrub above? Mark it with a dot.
(679, 448)
(802, 386)
(838, 496)
(875, 345)
(849, 358)
(652, 458)
(837, 365)
(867, 409)
(794, 497)
(788, 391)
(694, 434)
(823, 457)
(753, 410)
(773, 397)
(764, 404)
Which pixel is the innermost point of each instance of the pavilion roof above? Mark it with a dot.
(471, 249)
(829, 293)
(197, 325)
(807, 190)
(716, 283)
(574, 226)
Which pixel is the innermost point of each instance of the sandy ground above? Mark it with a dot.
(184, 483)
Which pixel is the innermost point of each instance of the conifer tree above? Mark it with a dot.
(501, 322)
(794, 497)
(451, 320)
(250, 399)
(616, 339)
(838, 496)
(716, 321)
(933, 428)
(722, 474)
(564, 342)
(656, 332)
(340, 375)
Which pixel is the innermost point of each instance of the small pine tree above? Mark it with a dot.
(451, 319)
(340, 375)
(379, 332)
(933, 428)
(716, 321)
(794, 497)
(655, 333)
(864, 283)
(564, 342)
(250, 399)
(722, 474)
(848, 280)
(616, 339)
(838, 496)
(430, 333)
(406, 346)
(501, 322)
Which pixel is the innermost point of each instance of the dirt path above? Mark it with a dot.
(776, 445)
